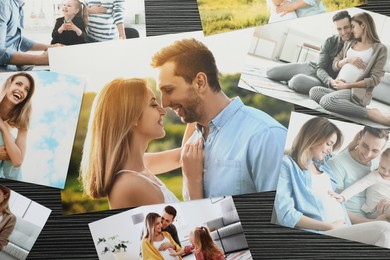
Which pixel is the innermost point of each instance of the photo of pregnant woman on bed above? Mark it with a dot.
(323, 180)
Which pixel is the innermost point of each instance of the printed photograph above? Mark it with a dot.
(335, 180)
(164, 122)
(173, 231)
(39, 112)
(21, 222)
(336, 63)
(222, 16)
(30, 28)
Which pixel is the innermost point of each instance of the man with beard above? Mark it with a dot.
(243, 146)
(356, 162)
(303, 76)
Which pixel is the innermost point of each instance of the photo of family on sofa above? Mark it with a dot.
(173, 231)
(335, 180)
(348, 76)
(29, 28)
(21, 221)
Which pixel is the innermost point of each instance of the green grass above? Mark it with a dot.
(219, 16)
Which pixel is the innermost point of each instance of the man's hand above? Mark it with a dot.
(164, 246)
(339, 85)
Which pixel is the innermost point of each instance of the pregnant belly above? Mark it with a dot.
(349, 73)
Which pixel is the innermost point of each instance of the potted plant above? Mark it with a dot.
(114, 245)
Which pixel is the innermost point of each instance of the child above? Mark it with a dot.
(376, 184)
(70, 29)
(202, 246)
(274, 16)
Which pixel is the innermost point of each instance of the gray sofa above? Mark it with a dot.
(227, 231)
(21, 240)
(382, 91)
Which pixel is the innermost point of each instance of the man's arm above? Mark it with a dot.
(173, 232)
(324, 61)
(265, 155)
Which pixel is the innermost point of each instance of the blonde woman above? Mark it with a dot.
(7, 219)
(15, 112)
(157, 244)
(125, 117)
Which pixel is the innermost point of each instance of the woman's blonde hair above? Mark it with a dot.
(19, 116)
(314, 132)
(150, 223)
(4, 206)
(116, 109)
(369, 29)
(203, 242)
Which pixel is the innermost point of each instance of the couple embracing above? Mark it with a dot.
(229, 148)
(350, 65)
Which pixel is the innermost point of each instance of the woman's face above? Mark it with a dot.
(69, 7)
(158, 226)
(357, 29)
(151, 124)
(320, 151)
(18, 90)
(2, 196)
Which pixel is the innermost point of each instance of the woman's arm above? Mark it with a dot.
(310, 223)
(3, 153)
(163, 162)
(15, 150)
(166, 161)
(6, 231)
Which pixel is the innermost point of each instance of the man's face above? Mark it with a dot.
(179, 95)
(369, 147)
(344, 29)
(166, 220)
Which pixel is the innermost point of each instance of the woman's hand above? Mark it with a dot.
(340, 84)
(172, 252)
(3, 154)
(285, 7)
(357, 62)
(338, 224)
(192, 167)
(337, 196)
(3, 125)
(97, 9)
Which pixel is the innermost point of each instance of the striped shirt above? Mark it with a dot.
(103, 27)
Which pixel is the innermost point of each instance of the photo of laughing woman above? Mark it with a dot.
(125, 117)
(7, 219)
(15, 112)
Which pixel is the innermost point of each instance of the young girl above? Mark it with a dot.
(203, 246)
(376, 184)
(70, 29)
(7, 219)
(15, 111)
